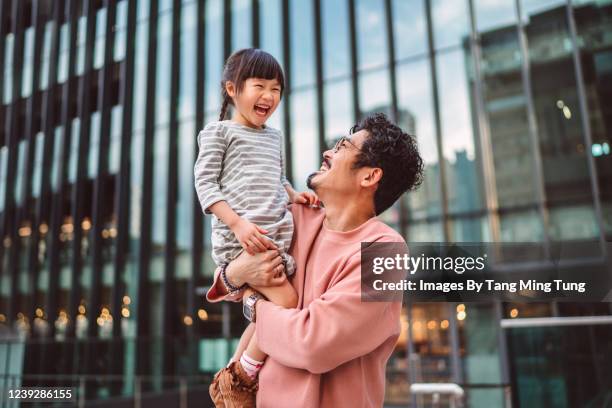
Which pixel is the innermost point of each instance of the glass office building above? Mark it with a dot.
(105, 251)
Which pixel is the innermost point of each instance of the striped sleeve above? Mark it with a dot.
(283, 179)
(207, 170)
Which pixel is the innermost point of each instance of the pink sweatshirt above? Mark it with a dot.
(332, 350)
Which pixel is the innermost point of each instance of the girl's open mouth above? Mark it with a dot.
(262, 109)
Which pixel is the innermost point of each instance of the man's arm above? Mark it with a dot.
(217, 291)
(333, 329)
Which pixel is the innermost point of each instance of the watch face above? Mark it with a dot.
(246, 310)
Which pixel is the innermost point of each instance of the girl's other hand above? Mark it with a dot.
(306, 197)
(251, 237)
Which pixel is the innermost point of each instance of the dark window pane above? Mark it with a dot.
(559, 122)
(570, 354)
(3, 170)
(506, 107)
(479, 340)
(593, 22)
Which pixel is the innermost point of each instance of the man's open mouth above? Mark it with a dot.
(262, 110)
(325, 166)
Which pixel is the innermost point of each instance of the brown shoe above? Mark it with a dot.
(237, 388)
(215, 393)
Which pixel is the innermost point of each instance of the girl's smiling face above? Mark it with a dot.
(256, 101)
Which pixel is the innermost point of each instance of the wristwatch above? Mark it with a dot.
(248, 306)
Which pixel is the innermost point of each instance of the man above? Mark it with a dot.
(330, 351)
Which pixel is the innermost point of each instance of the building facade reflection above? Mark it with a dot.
(105, 252)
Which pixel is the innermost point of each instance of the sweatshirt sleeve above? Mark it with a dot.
(207, 170)
(215, 294)
(333, 329)
(283, 180)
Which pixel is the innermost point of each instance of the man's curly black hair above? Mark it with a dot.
(395, 152)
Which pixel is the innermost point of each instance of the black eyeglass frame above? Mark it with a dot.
(338, 144)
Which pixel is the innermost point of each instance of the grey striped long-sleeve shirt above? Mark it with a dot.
(244, 167)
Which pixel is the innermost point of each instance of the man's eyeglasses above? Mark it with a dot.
(341, 143)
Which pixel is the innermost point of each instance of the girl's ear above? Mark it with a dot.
(230, 88)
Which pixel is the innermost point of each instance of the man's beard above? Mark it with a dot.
(309, 181)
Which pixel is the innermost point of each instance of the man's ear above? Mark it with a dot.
(230, 88)
(372, 177)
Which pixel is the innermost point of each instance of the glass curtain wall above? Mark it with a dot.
(507, 99)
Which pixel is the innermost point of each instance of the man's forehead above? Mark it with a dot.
(359, 137)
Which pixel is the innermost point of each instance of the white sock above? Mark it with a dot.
(250, 365)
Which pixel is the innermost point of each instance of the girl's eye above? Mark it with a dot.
(276, 89)
(258, 86)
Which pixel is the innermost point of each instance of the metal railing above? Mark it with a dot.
(451, 395)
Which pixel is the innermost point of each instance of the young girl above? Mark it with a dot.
(239, 177)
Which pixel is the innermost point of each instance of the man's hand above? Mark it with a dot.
(261, 269)
(251, 237)
(306, 197)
